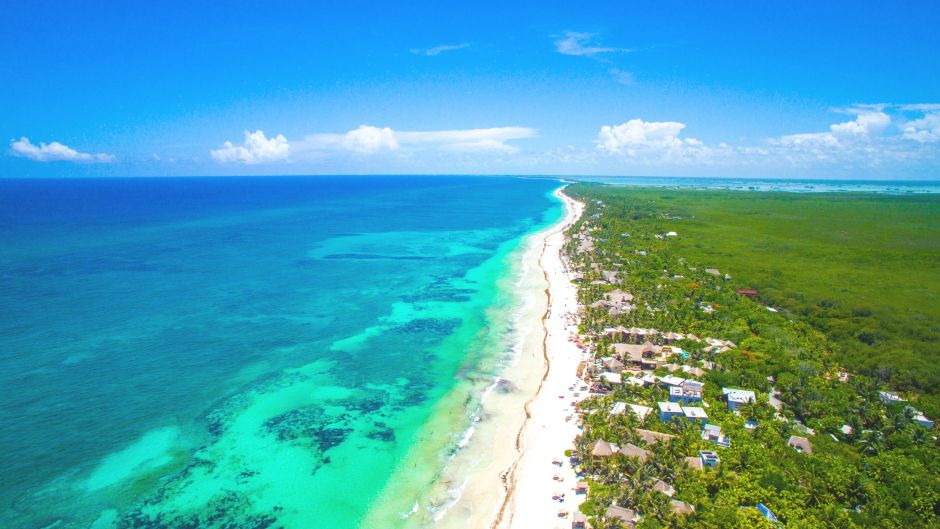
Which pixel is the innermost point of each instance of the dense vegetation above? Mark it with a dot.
(862, 269)
(854, 280)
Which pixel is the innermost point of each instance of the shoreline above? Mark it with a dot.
(510, 476)
(471, 487)
(505, 473)
(487, 484)
(550, 426)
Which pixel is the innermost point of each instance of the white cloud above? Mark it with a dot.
(922, 107)
(636, 134)
(368, 140)
(54, 152)
(579, 44)
(824, 139)
(865, 123)
(869, 140)
(256, 149)
(844, 141)
(926, 129)
(656, 142)
(623, 77)
(437, 50)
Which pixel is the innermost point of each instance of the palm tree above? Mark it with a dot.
(743, 461)
(815, 491)
(919, 435)
(871, 441)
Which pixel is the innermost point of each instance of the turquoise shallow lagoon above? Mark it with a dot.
(241, 352)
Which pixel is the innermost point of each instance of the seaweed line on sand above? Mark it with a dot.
(508, 477)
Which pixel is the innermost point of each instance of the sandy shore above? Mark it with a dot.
(507, 473)
(503, 475)
(551, 427)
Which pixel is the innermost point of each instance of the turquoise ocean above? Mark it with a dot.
(246, 352)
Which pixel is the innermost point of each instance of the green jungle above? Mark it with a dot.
(829, 299)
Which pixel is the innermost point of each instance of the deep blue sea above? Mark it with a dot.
(238, 352)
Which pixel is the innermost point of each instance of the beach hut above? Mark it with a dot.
(671, 337)
(601, 448)
(650, 437)
(694, 463)
(613, 365)
(581, 487)
(663, 487)
(617, 333)
(680, 507)
(619, 296)
(800, 444)
(631, 450)
(627, 517)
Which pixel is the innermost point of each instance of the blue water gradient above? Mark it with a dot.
(202, 352)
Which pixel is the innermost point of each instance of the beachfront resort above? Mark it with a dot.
(671, 423)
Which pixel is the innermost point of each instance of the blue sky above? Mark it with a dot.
(741, 89)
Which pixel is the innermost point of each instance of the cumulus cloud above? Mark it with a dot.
(368, 140)
(925, 129)
(865, 123)
(656, 142)
(256, 148)
(580, 44)
(54, 152)
(871, 139)
(437, 50)
(636, 135)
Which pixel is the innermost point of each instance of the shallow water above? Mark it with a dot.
(245, 352)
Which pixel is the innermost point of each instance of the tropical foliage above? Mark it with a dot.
(853, 284)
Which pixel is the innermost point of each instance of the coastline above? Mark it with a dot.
(551, 424)
(456, 478)
(505, 473)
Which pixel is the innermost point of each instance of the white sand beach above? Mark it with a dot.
(551, 428)
(503, 475)
(509, 478)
